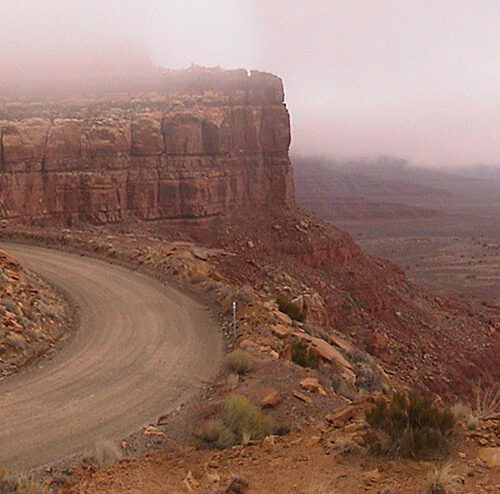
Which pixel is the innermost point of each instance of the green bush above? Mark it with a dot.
(291, 309)
(410, 426)
(304, 355)
(239, 362)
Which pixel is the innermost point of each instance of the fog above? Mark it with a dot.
(415, 79)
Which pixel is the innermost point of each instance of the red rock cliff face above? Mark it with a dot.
(202, 144)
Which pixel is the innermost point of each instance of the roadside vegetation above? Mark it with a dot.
(409, 426)
(442, 480)
(241, 422)
(14, 483)
(238, 362)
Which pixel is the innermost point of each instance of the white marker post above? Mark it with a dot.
(234, 321)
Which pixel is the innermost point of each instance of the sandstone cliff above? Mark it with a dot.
(203, 143)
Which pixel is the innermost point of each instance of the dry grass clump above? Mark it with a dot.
(442, 480)
(318, 488)
(16, 341)
(28, 485)
(487, 402)
(241, 422)
(410, 426)
(461, 411)
(105, 454)
(20, 484)
(238, 362)
(486, 406)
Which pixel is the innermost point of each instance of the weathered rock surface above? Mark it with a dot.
(206, 142)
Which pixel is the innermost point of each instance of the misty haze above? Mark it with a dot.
(250, 246)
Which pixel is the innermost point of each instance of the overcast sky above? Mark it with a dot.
(418, 79)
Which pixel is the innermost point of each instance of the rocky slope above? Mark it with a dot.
(318, 460)
(361, 312)
(32, 317)
(203, 143)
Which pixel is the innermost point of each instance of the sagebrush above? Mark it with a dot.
(410, 426)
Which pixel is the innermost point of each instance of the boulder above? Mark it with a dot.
(341, 417)
(302, 397)
(312, 384)
(268, 397)
(330, 353)
(286, 353)
(279, 330)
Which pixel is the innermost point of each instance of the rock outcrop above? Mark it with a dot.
(32, 316)
(205, 142)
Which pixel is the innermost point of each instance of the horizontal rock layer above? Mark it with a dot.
(207, 142)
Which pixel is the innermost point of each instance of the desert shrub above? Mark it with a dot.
(246, 420)
(410, 426)
(106, 454)
(239, 362)
(304, 355)
(358, 356)
(226, 438)
(288, 307)
(241, 422)
(211, 430)
(367, 377)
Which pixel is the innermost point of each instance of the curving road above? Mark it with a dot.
(141, 349)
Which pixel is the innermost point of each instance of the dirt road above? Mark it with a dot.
(141, 349)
